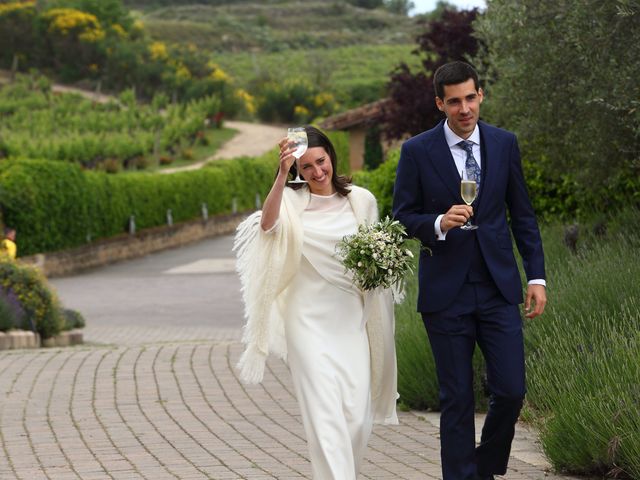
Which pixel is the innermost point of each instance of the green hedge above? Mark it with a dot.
(380, 182)
(340, 141)
(54, 205)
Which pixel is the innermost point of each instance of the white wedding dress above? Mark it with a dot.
(328, 348)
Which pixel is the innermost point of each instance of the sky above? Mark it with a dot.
(428, 5)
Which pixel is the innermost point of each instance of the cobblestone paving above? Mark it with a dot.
(177, 410)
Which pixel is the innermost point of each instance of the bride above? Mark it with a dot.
(302, 306)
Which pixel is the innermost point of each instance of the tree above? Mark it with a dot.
(412, 107)
(18, 38)
(565, 76)
(74, 39)
(108, 12)
(401, 7)
(438, 11)
(368, 4)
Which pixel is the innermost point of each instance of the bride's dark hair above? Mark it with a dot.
(318, 139)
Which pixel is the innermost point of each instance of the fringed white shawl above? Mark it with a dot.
(266, 263)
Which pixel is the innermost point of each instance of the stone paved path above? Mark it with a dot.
(153, 399)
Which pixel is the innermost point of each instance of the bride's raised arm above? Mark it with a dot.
(271, 207)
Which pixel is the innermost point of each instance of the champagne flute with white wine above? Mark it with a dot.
(469, 191)
(298, 138)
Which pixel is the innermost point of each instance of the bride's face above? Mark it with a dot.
(316, 168)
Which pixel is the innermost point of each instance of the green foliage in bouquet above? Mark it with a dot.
(376, 255)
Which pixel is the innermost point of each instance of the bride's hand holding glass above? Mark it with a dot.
(286, 156)
(297, 138)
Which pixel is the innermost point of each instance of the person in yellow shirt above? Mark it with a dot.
(8, 245)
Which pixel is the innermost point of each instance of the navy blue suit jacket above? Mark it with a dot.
(427, 185)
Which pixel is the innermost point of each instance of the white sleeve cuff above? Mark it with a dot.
(537, 281)
(436, 227)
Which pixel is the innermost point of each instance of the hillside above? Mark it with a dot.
(354, 75)
(267, 26)
(341, 49)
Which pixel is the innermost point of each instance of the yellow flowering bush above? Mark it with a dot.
(69, 20)
(182, 72)
(138, 25)
(220, 75)
(293, 100)
(301, 112)
(17, 7)
(158, 51)
(40, 304)
(119, 30)
(248, 100)
(322, 99)
(217, 73)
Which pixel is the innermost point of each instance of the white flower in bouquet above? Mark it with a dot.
(376, 255)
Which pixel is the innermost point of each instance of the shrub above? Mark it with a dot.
(380, 182)
(187, 154)
(340, 141)
(293, 101)
(594, 138)
(12, 314)
(110, 165)
(72, 319)
(39, 303)
(583, 354)
(7, 320)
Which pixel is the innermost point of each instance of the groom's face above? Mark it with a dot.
(461, 105)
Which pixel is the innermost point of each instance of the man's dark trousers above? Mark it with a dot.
(479, 314)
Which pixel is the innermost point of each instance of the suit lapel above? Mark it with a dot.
(440, 156)
(488, 147)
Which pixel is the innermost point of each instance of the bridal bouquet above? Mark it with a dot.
(376, 254)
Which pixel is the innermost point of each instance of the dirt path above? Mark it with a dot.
(5, 77)
(252, 140)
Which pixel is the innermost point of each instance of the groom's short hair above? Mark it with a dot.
(453, 73)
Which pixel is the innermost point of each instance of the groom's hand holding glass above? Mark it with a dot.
(456, 216)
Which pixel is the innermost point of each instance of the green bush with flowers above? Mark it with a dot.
(39, 304)
(293, 101)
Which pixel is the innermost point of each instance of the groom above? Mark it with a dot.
(470, 287)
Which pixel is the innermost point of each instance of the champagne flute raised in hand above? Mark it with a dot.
(297, 138)
(469, 191)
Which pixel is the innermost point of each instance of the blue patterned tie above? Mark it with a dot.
(471, 166)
